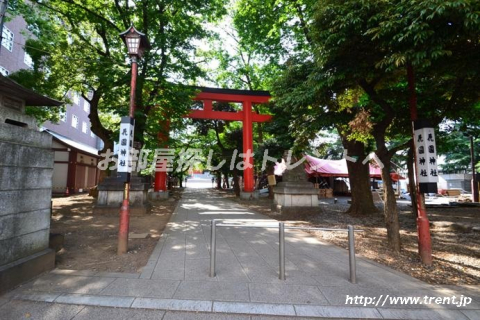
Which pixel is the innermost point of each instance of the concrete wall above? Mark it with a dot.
(26, 168)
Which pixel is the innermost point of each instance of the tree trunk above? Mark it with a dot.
(359, 176)
(390, 208)
(236, 185)
(411, 181)
(219, 180)
(99, 130)
(227, 184)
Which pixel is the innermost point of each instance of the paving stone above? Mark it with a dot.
(142, 288)
(332, 280)
(196, 247)
(68, 284)
(172, 304)
(198, 269)
(446, 296)
(179, 315)
(431, 314)
(338, 295)
(15, 310)
(34, 296)
(148, 269)
(283, 293)
(472, 314)
(336, 312)
(208, 290)
(95, 300)
(254, 308)
(117, 275)
(3, 301)
(230, 272)
(386, 278)
(86, 273)
(105, 313)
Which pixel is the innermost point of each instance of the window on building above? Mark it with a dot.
(75, 97)
(63, 116)
(84, 127)
(74, 121)
(7, 38)
(86, 106)
(4, 71)
(28, 60)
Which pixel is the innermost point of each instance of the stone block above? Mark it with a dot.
(158, 196)
(249, 195)
(254, 308)
(212, 290)
(282, 293)
(15, 225)
(142, 288)
(173, 304)
(92, 300)
(13, 274)
(18, 178)
(19, 135)
(25, 156)
(90, 313)
(35, 310)
(16, 248)
(24, 200)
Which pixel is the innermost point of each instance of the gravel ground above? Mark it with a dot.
(91, 240)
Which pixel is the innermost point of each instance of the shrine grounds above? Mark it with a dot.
(166, 273)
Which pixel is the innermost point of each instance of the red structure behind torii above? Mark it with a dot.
(247, 116)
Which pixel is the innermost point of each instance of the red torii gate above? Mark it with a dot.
(247, 116)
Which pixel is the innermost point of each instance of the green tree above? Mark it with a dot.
(369, 45)
(76, 46)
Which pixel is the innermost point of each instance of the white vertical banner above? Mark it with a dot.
(125, 145)
(426, 152)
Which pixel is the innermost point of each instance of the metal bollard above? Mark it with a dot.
(351, 254)
(281, 247)
(213, 247)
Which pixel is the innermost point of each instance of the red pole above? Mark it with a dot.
(248, 146)
(161, 171)
(125, 209)
(423, 225)
(161, 177)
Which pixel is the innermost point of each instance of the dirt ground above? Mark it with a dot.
(91, 240)
(456, 245)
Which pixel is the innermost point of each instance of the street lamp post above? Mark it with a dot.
(136, 43)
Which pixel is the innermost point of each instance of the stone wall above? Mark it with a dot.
(26, 168)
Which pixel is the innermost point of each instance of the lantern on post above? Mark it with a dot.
(136, 43)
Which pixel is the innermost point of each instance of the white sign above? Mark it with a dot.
(426, 155)
(125, 145)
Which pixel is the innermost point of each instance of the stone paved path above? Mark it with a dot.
(176, 279)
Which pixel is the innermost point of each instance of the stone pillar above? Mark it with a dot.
(26, 168)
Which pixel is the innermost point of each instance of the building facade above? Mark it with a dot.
(72, 134)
